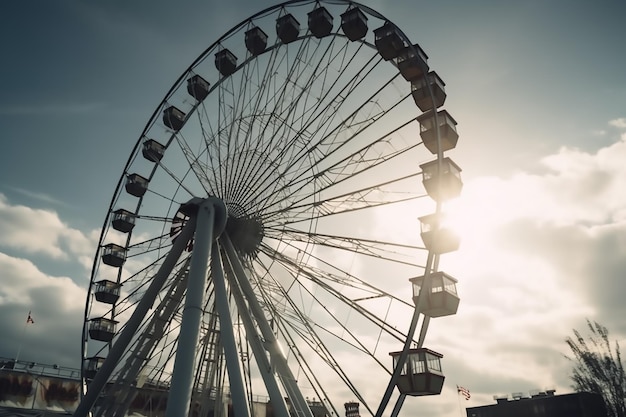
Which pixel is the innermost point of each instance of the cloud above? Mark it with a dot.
(586, 186)
(57, 306)
(38, 196)
(540, 252)
(590, 261)
(38, 231)
(578, 188)
(619, 123)
(51, 109)
(57, 302)
(25, 284)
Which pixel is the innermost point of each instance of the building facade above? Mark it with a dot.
(546, 404)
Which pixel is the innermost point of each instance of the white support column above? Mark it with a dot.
(258, 350)
(179, 395)
(271, 343)
(121, 343)
(240, 401)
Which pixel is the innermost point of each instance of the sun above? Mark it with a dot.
(476, 215)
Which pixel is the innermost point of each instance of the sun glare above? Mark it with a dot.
(473, 215)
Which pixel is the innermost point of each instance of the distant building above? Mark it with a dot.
(33, 389)
(30, 389)
(543, 404)
(352, 409)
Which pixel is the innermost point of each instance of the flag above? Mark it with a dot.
(464, 392)
(30, 320)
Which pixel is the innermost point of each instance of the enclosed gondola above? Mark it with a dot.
(421, 374)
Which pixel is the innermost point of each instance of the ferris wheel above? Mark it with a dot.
(270, 236)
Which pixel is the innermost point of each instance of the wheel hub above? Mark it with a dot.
(245, 231)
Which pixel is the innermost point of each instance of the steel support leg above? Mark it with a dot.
(121, 344)
(179, 396)
(271, 343)
(409, 339)
(237, 388)
(260, 355)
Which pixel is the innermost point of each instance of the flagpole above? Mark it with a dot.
(466, 394)
(19, 347)
(21, 342)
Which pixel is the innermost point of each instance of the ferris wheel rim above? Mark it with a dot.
(176, 86)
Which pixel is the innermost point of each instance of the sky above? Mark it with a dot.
(538, 90)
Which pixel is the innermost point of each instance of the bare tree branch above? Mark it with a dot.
(598, 367)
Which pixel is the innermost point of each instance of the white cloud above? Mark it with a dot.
(38, 196)
(619, 123)
(579, 188)
(57, 302)
(57, 306)
(23, 282)
(539, 253)
(38, 231)
(588, 187)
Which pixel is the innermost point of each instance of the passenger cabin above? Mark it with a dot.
(388, 41)
(320, 22)
(225, 62)
(421, 374)
(256, 41)
(447, 130)
(287, 28)
(437, 237)
(198, 87)
(152, 150)
(136, 185)
(423, 86)
(442, 185)
(113, 255)
(173, 118)
(107, 291)
(123, 220)
(412, 62)
(442, 299)
(354, 24)
(93, 366)
(102, 329)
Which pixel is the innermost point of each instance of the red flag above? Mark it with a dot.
(464, 392)
(30, 320)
